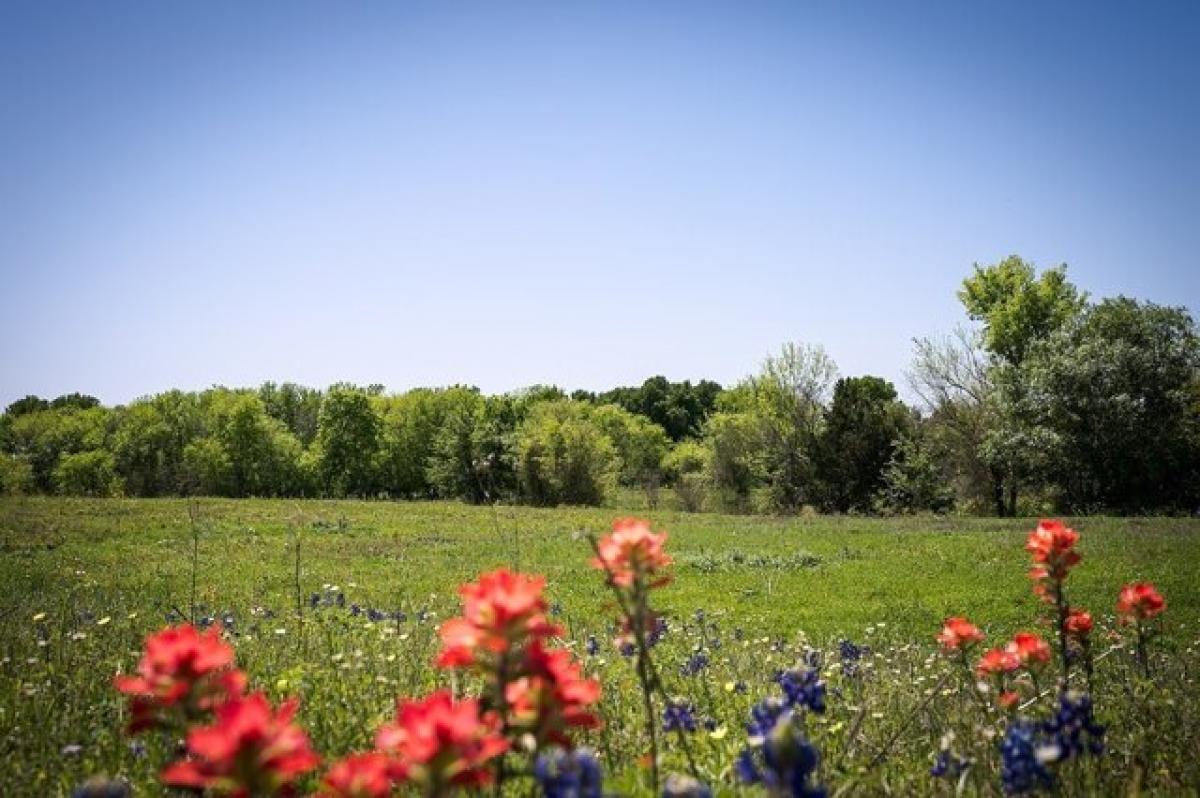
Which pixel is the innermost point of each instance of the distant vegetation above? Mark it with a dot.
(1049, 402)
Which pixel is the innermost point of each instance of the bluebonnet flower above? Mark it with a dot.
(780, 757)
(849, 652)
(685, 787)
(802, 688)
(627, 649)
(813, 658)
(679, 716)
(694, 664)
(1023, 767)
(314, 600)
(1073, 729)
(763, 717)
(658, 632)
(376, 615)
(699, 616)
(556, 609)
(948, 764)
(569, 774)
(355, 610)
(137, 748)
(740, 687)
(738, 634)
(592, 646)
(341, 599)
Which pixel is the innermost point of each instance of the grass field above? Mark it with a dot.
(81, 583)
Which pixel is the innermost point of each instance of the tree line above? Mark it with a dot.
(1044, 400)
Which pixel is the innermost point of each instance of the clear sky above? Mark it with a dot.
(586, 194)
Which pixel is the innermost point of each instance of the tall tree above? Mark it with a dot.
(348, 441)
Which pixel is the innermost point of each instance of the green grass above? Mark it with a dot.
(784, 583)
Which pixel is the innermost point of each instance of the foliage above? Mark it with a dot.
(564, 455)
(348, 440)
(90, 473)
(862, 427)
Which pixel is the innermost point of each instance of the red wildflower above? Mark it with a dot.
(959, 634)
(181, 671)
(997, 661)
(358, 776)
(435, 743)
(632, 552)
(1053, 546)
(502, 610)
(552, 698)
(1008, 699)
(248, 751)
(1139, 601)
(1029, 649)
(1079, 623)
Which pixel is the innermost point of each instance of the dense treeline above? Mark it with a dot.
(1050, 401)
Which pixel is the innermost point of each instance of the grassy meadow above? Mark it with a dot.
(338, 602)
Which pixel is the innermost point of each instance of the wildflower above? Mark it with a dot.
(181, 673)
(1139, 601)
(696, 663)
(959, 634)
(552, 698)
(249, 750)
(679, 716)
(358, 776)
(1053, 547)
(685, 787)
(802, 689)
(1029, 649)
(632, 552)
(849, 652)
(1023, 759)
(779, 756)
(1073, 729)
(502, 610)
(763, 717)
(1008, 699)
(569, 774)
(435, 743)
(948, 765)
(997, 661)
(1079, 623)
(592, 646)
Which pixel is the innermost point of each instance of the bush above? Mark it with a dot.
(563, 456)
(92, 473)
(16, 475)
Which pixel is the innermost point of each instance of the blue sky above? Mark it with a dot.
(587, 194)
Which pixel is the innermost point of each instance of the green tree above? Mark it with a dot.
(913, 480)
(89, 473)
(1017, 307)
(865, 421)
(564, 456)
(735, 444)
(348, 440)
(1121, 392)
(16, 475)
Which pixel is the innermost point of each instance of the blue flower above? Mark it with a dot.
(658, 632)
(849, 652)
(1073, 729)
(679, 716)
(780, 757)
(948, 765)
(376, 615)
(695, 664)
(569, 774)
(1023, 766)
(685, 787)
(593, 645)
(556, 609)
(314, 599)
(802, 689)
